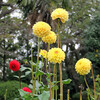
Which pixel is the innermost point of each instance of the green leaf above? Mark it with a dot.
(44, 96)
(47, 74)
(27, 73)
(67, 81)
(39, 73)
(30, 86)
(22, 76)
(29, 1)
(16, 99)
(16, 76)
(56, 87)
(37, 85)
(23, 69)
(41, 64)
(25, 2)
(22, 93)
(33, 64)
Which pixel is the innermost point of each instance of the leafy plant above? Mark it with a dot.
(12, 89)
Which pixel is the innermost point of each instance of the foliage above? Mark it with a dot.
(97, 82)
(92, 41)
(12, 89)
(76, 96)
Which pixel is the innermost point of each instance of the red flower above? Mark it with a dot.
(14, 65)
(26, 89)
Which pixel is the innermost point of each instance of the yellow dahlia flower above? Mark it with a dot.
(60, 13)
(56, 55)
(83, 66)
(51, 38)
(43, 53)
(41, 29)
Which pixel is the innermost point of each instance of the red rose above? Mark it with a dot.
(14, 65)
(26, 89)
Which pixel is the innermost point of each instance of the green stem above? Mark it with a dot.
(5, 96)
(60, 65)
(41, 70)
(34, 85)
(38, 56)
(38, 53)
(58, 32)
(53, 81)
(47, 58)
(81, 92)
(46, 65)
(87, 84)
(68, 94)
(88, 94)
(20, 79)
(32, 67)
(56, 81)
(61, 84)
(50, 81)
(93, 82)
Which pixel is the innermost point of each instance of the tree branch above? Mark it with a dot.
(5, 4)
(4, 13)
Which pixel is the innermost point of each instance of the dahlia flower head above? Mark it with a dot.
(26, 89)
(41, 29)
(43, 53)
(56, 55)
(83, 66)
(50, 38)
(60, 13)
(14, 65)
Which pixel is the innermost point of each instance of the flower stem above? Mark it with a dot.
(58, 32)
(38, 52)
(56, 81)
(61, 84)
(32, 68)
(93, 82)
(50, 81)
(47, 57)
(5, 95)
(34, 85)
(88, 94)
(68, 94)
(53, 81)
(41, 70)
(87, 84)
(81, 92)
(20, 79)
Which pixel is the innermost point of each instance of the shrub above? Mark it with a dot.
(76, 96)
(12, 89)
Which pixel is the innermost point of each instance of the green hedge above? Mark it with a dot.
(12, 89)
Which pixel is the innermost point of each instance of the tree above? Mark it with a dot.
(13, 36)
(92, 41)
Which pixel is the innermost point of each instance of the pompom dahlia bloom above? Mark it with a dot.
(51, 38)
(41, 29)
(14, 65)
(83, 66)
(56, 55)
(60, 13)
(26, 89)
(43, 53)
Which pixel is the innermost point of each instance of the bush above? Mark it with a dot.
(77, 96)
(12, 89)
